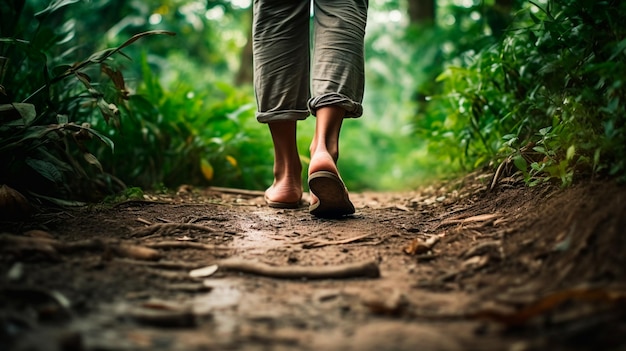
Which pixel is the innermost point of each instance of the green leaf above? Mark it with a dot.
(520, 163)
(55, 5)
(144, 34)
(27, 111)
(62, 119)
(33, 133)
(571, 151)
(92, 160)
(100, 56)
(59, 202)
(534, 18)
(61, 70)
(108, 142)
(12, 111)
(43, 154)
(544, 131)
(537, 166)
(109, 111)
(46, 169)
(84, 78)
(620, 49)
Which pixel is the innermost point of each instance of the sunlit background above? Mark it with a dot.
(452, 86)
(380, 151)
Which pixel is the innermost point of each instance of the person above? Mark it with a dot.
(290, 87)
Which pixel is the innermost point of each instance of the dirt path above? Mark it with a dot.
(454, 268)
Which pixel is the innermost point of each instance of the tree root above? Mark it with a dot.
(368, 269)
(170, 244)
(168, 228)
(252, 193)
(167, 265)
(310, 244)
(52, 248)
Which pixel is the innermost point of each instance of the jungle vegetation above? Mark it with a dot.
(104, 95)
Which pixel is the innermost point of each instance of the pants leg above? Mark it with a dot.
(338, 62)
(281, 55)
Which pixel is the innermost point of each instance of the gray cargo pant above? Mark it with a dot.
(285, 87)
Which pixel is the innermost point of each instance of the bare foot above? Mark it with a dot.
(321, 161)
(287, 191)
(329, 196)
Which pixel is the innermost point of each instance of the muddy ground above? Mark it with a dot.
(458, 266)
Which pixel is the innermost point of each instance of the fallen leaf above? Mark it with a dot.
(204, 271)
(16, 272)
(418, 246)
(481, 218)
(476, 262)
(473, 219)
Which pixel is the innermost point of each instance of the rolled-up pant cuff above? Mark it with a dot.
(275, 116)
(353, 108)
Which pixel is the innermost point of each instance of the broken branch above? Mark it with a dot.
(321, 243)
(237, 191)
(367, 269)
(169, 265)
(166, 228)
(53, 247)
(185, 245)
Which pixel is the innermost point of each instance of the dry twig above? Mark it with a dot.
(144, 221)
(166, 228)
(310, 244)
(170, 244)
(169, 265)
(53, 247)
(367, 269)
(234, 191)
(482, 219)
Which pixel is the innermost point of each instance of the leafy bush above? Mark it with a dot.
(182, 135)
(547, 99)
(47, 100)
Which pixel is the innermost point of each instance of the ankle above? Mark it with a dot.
(287, 171)
(322, 149)
(322, 161)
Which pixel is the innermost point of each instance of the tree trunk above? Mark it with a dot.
(244, 75)
(500, 16)
(505, 5)
(421, 11)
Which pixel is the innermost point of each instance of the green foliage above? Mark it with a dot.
(187, 136)
(47, 99)
(410, 135)
(128, 194)
(543, 96)
(547, 98)
(184, 122)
